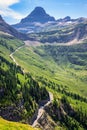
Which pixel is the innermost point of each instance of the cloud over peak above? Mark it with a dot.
(7, 3)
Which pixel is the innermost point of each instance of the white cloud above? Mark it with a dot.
(7, 3)
(6, 11)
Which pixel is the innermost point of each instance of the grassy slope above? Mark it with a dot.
(40, 63)
(9, 44)
(76, 104)
(7, 125)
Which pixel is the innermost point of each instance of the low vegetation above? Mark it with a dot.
(7, 125)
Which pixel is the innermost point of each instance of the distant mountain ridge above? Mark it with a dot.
(70, 34)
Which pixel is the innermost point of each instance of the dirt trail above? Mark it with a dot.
(11, 55)
(41, 109)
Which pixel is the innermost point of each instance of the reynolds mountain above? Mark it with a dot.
(29, 23)
(7, 29)
(38, 15)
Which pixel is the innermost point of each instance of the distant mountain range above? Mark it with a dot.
(71, 34)
(38, 20)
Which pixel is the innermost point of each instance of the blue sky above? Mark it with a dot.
(14, 10)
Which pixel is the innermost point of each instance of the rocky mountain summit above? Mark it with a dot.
(35, 21)
(37, 15)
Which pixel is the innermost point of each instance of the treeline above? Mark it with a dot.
(73, 95)
(61, 89)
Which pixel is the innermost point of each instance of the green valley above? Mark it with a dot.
(63, 71)
(63, 65)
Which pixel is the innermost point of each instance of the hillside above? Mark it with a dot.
(65, 65)
(6, 28)
(62, 70)
(20, 94)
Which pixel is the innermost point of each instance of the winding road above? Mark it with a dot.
(41, 110)
(11, 55)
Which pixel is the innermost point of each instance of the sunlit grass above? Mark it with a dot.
(7, 125)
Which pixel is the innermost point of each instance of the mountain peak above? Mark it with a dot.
(39, 9)
(67, 18)
(38, 15)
